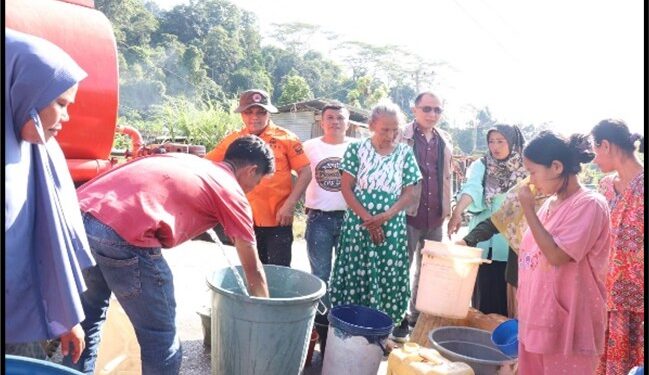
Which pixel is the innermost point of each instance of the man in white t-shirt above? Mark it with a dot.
(324, 202)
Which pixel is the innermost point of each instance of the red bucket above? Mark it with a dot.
(314, 338)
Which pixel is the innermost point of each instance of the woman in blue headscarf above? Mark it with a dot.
(488, 180)
(45, 243)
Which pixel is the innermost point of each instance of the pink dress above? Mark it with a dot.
(562, 309)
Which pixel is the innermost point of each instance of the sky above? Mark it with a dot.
(566, 63)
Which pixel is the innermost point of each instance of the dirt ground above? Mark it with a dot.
(190, 263)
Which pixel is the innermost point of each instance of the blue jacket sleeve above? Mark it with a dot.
(473, 186)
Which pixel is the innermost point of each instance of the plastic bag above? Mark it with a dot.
(119, 351)
(509, 218)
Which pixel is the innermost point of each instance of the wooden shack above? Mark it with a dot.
(303, 119)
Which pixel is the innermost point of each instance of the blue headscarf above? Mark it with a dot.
(45, 242)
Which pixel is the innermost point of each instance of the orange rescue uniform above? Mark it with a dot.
(271, 193)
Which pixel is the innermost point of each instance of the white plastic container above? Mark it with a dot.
(356, 340)
(447, 279)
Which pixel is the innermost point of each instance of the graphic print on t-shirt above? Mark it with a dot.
(327, 174)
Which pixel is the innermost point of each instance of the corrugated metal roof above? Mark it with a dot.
(355, 114)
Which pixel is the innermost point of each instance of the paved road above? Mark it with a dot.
(190, 263)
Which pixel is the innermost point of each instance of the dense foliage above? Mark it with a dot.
(182, 69)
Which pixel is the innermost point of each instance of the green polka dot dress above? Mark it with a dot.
(366, 274)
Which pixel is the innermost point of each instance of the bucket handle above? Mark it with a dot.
(461, 259)
(384, 348)
(320, 303)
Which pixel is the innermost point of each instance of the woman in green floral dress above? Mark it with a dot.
(379, 174)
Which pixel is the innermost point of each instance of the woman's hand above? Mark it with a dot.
(377, 235)
(526, 198)
(74, 337)
(374, 222)
(461, 242)
(454, 223)
(373, 225)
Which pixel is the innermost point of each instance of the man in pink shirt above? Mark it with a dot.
(155, 202)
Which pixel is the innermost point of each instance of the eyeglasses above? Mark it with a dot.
(427, 109)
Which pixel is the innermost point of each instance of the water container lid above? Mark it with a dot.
(441, 249)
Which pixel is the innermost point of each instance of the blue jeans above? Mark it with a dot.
(322, 234)
(32, 349)
(143, 284)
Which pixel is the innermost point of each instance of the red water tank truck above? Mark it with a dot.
(87, 35)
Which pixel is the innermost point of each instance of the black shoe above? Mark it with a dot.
(401, 333)
(322, 327)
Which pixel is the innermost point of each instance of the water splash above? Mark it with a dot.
(238, 277)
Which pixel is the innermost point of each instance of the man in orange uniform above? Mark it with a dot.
(273, 200)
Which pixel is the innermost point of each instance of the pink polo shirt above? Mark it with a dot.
(562, 309)
(165, 200)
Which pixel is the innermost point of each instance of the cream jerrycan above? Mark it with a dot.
(413, 359)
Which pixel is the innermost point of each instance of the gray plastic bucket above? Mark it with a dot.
(472, 346)
(263, 335)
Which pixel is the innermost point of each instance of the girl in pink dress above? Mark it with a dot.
(614, 150)
(563, 261)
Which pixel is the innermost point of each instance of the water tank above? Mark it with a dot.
(87, 35)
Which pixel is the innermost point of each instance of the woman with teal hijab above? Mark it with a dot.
(45, 242)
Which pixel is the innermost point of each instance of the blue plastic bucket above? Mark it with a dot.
(505, 337)
(254, 336)
(17, 365)
(356, 340)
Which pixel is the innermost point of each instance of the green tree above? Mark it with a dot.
(483, 121)
(244, 79)
(192, 22)
(279, 63)
(368, 91)
(294, 36)
(362, 58)
(228, 37)
(531, 130)
(133, 23)
(463, 139)
(204, 88)
(295, 89)
(223, 54)
(323, 76)
(403, 95)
